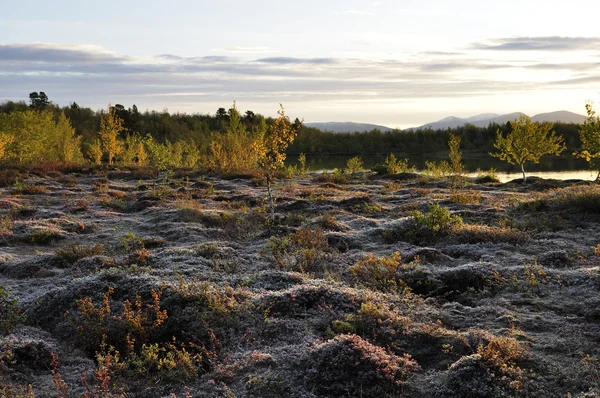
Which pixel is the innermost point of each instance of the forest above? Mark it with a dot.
(166, 129)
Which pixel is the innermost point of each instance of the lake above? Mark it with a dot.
(558, 167)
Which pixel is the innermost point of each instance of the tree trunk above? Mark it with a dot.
(598, 177)
(270, 198)
(523, 170)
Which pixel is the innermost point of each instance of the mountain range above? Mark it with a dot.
(482, 120)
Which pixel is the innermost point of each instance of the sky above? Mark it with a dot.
(394, 63)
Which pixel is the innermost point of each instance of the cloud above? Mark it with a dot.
(94, 76)
(291, 60)
(57, 53)
(358, 12)
(246, 50)
(547, 43)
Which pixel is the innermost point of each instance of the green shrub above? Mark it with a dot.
(354, 165)
(340, 327)
(423, 228)
(438, 221)
(395, 166)
(438, 170)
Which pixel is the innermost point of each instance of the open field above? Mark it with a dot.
(361, 286)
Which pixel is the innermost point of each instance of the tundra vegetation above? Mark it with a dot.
(171, 272)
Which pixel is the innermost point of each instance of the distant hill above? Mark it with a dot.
(560, 116)
(485, 119)
(347, 127)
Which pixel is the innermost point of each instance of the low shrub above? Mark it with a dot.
(335, 177)
(329, 222)
(7, 224)
(72, 253)
(340, 327)
(438, 220)
(490, 176)
(396, 166)
(378, 272)
(354, 165)
(492, 371)
(438, 170)
(350, 366)
(306, 250)
(469, 197)
(132, 342)
(43, 236)
(29, 189)
(9, 177)
(423, 228)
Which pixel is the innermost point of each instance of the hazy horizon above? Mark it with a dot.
(360, 61)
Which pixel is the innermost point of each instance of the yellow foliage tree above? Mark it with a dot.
(66, 144)
(110, 127)
(234, 151)
(31, 135)
(134, 151)
(5, 140)
(95, 151)
(271, 150)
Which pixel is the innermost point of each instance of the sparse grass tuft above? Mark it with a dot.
(43, 236)
(72, 253)
(469, 233)
(577, 198)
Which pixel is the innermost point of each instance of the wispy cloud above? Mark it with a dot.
(58, 53)
(548, 43)
(92, 75)
(292, 60)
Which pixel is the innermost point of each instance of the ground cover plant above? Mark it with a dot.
(114, 283)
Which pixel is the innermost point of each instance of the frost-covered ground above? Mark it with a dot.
(506, 304)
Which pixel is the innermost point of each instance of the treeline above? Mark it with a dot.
(227, 142)
(408, 143)
(42, 130)
(163, 126)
